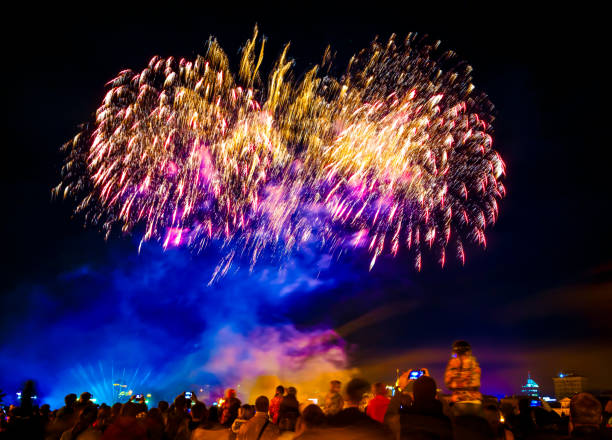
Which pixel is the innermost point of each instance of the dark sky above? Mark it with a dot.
(539, 297)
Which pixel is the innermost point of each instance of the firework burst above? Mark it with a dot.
(395, 154)
(405, 155)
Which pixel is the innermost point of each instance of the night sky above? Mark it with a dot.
(538, 299)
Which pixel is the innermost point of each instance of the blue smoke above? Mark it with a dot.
(152, 320)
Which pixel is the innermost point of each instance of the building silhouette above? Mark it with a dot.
(568, 384)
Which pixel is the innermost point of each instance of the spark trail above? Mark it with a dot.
(394, 154)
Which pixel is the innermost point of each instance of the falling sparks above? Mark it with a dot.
(397, 149)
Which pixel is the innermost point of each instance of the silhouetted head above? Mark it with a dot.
(129, 409)
(230, 393)
(280, 390)
(115, 409)
(355, 390)
(180, 402)
(461, 347)
(335, 386)
(104, 413)
(246, 412)
(424, 390)
(155, 414)
(585, 409)
(313, 416)
(85, 397)
(262, 404)
(199, 412)
(379, 389)
(45, 409)
(545, 419)
(213, 414)
(163, 406)
(70, 400)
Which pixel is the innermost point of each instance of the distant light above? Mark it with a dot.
(549, 399)
(561, 375)
(315, 401)
(93, 400)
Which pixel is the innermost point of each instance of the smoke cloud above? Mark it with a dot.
(153, 323)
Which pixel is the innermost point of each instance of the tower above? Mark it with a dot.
(531, 388)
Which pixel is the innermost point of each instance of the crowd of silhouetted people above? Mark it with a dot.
(415, 411)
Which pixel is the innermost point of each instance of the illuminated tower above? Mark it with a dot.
(530, 388)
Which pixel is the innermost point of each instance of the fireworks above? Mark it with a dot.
(395, 154)
(109, 384)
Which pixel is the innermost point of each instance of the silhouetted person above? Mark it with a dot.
(259, 427)
(400, 401)
(333, 400)
(199, 426)
(275, 403)
(163, 407)
(154, 424)
(607, 415)
(26, 402)
(289, 411)
(104, 418)
(546, 424)
(311, 423)
(491, 413)
(585, 418)
(25, 422)
(245, 413)
(85, 398)
(65, 419)
(377, 406)
(45, 413)
(213, 414)
(462, 378)
(522, 423)
(424, 418)
(84, 429)
(69, 402)
(351, 416)
(229, 408)
(177, 426)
